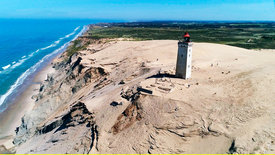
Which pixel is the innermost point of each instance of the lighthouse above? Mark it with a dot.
(184, 59)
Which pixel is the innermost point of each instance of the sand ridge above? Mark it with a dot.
(226, 107)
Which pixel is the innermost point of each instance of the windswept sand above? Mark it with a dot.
(227, 106)
(230, 97)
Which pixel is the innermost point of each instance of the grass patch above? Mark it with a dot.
(76, 45)
(246, 35)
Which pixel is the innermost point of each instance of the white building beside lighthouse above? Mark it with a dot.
(184, 59)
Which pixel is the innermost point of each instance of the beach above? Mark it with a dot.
(139, 77)
(11, 117)
(18, 100)
(214, 111)
(21, 57)
(27, 86)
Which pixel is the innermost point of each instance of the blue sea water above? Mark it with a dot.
(26, 45)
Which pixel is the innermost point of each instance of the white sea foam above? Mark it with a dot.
(81, 32)
(60, 39)
(44, 48)
(14, 62)
(76, 28)
(31, 70)
(30, 55)
(68, 35)
(18, 63)
(24, 58)
(6, 67)
(57, 42)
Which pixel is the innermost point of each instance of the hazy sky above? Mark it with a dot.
(140, 9)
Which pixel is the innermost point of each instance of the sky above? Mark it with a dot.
(137, 10)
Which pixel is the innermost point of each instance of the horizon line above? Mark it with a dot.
(137, 20)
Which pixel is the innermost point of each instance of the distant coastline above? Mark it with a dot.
(149, 29)
(91, 91)
(25, 78)
(21, 101)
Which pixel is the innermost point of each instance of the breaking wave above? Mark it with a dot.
(34, 68)
(6, 67)
(13, 65)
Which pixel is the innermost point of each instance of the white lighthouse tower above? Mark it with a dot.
(184, 60)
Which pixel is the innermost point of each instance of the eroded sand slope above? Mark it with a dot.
(98, 102)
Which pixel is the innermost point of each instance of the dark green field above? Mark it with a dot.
(246, 35)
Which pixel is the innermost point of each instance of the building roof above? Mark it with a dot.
(186, 35)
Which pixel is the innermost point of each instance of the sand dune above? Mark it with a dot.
(226, 107)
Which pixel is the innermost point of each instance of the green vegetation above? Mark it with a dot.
(76, 45)
(246, 35)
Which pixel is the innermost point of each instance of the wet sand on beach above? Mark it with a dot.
(11, 117)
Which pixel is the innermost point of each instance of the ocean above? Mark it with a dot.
(26, 45)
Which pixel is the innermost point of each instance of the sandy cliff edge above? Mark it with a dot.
(93, 102)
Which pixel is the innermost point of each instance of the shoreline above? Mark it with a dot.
(23, 103)
(11, 117)
(170, 100)
(24, 80)
(225, 79)
(202, 61)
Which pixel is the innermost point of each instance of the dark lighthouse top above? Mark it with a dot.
(186, 37)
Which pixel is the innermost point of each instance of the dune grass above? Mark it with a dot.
(246, 35)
